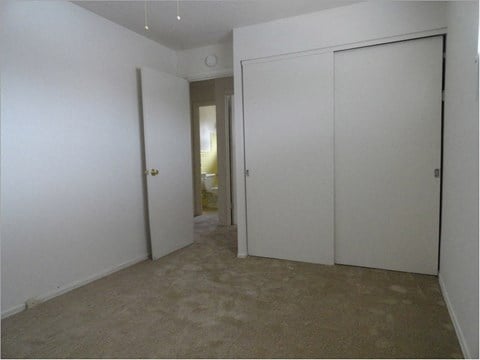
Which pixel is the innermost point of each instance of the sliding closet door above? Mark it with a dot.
(388, 154)
(289, 157)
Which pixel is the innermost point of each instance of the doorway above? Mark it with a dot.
(207, 120)
(211, 148)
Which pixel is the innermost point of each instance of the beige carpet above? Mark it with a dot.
(204, 302)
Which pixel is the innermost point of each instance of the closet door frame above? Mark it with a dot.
(240, 125)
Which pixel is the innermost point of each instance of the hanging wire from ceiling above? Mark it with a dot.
(146, 15)
(178, 10)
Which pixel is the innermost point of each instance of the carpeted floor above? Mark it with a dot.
(202, 302)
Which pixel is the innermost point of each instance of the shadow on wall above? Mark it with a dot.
(144, 161)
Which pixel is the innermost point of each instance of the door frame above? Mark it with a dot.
(241, 206)
(217, 97)
(229, 185)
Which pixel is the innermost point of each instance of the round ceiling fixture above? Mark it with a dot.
(211, 60)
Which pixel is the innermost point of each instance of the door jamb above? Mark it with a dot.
(228, 99)
(342, 47)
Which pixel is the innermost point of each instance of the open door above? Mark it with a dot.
(166, 122)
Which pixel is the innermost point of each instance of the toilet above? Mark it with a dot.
(208, 183)
(209, 187)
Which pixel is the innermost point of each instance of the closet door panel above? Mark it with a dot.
(388, 121)
(288, 122)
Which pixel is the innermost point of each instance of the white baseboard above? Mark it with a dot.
(456, 325)
(13, 310)
(242, 255)
(20, 307)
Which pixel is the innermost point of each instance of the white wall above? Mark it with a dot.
(354, 25)
(71, 166)
(191, 62)
(459, 244)
(223, 86)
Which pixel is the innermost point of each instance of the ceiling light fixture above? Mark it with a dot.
(146, 17)
(178, 10)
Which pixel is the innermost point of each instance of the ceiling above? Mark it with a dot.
(203, 22)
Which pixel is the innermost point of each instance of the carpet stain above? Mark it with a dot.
(204, 302)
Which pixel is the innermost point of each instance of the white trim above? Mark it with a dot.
(241, 255)
(347, 46)
(210, 75)
(456, 324)
(228, 100)
(18, 308)
(13, 310)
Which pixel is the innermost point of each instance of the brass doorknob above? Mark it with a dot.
(154, 172)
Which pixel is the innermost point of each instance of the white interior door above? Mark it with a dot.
(288, 106)
(166, 121)
(387, 147)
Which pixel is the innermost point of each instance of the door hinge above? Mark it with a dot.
(247, 172)
(443, 95)
(437, 173)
